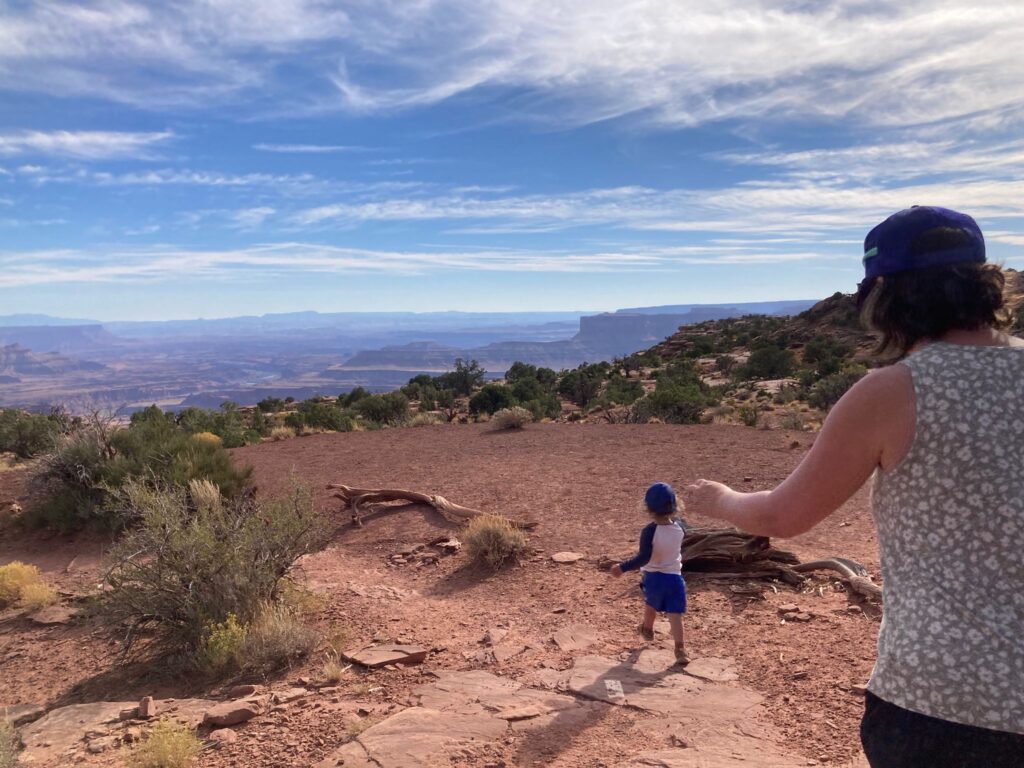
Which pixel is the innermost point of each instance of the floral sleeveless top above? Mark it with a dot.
(950, 521)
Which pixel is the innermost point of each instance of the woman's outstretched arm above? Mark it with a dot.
(870, 427)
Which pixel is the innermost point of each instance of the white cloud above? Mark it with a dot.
(915, 63)
(82, 145)
(153, 264)
(310, 148)
(252, 217)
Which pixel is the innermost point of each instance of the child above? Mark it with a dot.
(660, 562)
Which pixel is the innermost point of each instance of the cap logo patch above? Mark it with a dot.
(870, 254)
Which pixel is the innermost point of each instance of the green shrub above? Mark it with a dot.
(9, 745)
(463, 379)
(622, 391)
(749, 415)
(547, 407)
(672, 403)
(491, 398)
(296, 422)
(392, 408)
(195, 558)
(270, 405)
(515, 417)
(492, 541)
(318, 415)
(768, 362)
(28, 435)
(583, 384)
(827, 392)
(98, 459)
(167, 745)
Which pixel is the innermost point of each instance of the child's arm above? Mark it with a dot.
(644, 556)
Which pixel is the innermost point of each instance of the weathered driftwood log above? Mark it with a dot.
(365, 501)
(726, 553)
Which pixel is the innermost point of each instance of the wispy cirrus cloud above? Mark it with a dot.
(84, 145)
(311, 149)
(164, 263)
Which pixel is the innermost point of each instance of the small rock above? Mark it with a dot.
(506, 651)
(560, 609)
(233, 712)
(223, 736)
(803, 616)
(789, 608)
(128, 714)
(679, 741)
(859, 690)
(147, 707)
(53, 614)
(289, 695)
(241, 691)
(376, 656)
(748, 479)
(97, 746)
(567, 557)
(854, 609)
(495, 635)
(131, 735)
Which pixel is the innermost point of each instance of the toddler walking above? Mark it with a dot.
(660, 562)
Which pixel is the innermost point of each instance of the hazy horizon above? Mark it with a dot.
(217, 160)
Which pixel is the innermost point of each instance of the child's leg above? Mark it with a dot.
(649, 616)
(675, 621)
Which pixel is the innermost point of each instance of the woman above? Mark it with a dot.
(943, 433)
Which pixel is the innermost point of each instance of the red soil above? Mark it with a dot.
(583, 484)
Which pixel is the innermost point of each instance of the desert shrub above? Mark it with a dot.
(583, 384)
(463, 379)
(296, 422)
(167, 745)
(672, 402)
(273, 638)
(227, 423)
(221, 648)
(28, 435)
(392, 408)
(423, 420)
(768, 362)
(622, 391)
(96, 460)
(725, 364)
(491, 398)
(749, 415)
(270, 405)
(352, 397)
(282, 433)
(207, 437)
(318, 415)
(515, 417)
(195, 558)
(22, 585)
(792, 419)
(9, 745)
(547, 407)
(827, 392)
(492, 540)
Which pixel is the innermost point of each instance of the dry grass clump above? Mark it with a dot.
(275, 637)
(167, 745)
(492, 540)
(424, 420)
(9, 744)
(282, 433)
(22, 585)
(207, 437)
(515, 417)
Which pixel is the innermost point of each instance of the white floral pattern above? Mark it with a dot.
(950, 522)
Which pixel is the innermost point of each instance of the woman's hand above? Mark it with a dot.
(615, 570)
(705, 498)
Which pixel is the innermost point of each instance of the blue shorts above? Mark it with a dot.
(664, 592)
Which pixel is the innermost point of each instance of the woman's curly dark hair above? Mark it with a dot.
(923, 304)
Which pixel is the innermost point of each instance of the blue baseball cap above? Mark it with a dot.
(660, 499)
(897, 245)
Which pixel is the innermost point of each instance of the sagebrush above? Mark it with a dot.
(492, 540)
(22, 585)
(167, 745)
(194, 559)
(515, 417)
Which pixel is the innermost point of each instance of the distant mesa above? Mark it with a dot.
(16, 361)
(64, 339)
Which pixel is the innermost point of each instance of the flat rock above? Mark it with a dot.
(660, 689)
(481, 692)
(495, 635)
(567, 557)
(506, 651)
(713, 669)
(19, 714)
(233, 712)
(415, 738)
(51, 736)
(576, 637)
(222, 736)
(53, 614)
(391, 653)
(381, 591)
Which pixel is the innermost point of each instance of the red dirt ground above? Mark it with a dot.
(583, 484)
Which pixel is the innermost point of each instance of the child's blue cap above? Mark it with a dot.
(660, 499)
(899, 244)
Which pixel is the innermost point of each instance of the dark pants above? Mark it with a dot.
(894, 737)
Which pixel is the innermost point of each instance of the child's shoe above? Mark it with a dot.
(681, 658)
(647, 633)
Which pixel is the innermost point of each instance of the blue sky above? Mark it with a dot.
(191, 159)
